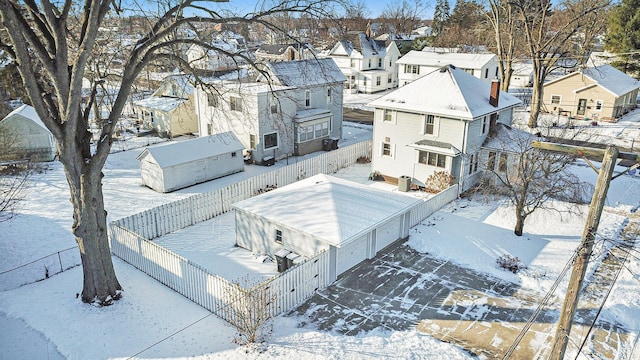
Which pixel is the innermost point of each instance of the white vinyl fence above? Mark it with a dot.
(130, 241)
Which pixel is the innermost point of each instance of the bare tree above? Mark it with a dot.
(549, 41)
(249, 310)
(404, 16)
(529, 178)
(503, 22)
(53, 44)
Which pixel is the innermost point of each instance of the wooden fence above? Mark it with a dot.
(130, 240)
(213, 292)
(167, 218)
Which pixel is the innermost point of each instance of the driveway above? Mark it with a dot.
(402, 289)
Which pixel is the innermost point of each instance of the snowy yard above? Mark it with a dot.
(47, 320)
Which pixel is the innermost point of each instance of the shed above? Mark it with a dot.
(323, 213)
(176, 165)
(26, 137)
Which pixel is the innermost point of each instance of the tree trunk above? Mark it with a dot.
(519, 225)
(100, 284)
(536, 99)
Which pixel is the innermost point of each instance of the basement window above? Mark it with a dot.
(278, 236)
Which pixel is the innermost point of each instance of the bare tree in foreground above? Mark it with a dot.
(530, 178)
(53, 44)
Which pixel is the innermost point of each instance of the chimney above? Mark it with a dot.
(494, 94)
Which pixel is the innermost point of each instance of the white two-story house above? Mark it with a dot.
(292, 108)
(226, 51)
(437, 123)
(368, 64)
(415, 64)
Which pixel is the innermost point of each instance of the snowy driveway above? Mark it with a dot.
(403, 289)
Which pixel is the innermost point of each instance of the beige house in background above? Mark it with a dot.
(599, 93)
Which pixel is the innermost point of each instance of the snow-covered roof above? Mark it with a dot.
(160, 103)
(510, 139)
(333, 210)
(462, 60)
(610, 78)
(366, 46)
(27, 111)
(306, 72)
(181, 152)
(448, 91)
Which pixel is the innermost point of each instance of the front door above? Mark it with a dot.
(582, 106)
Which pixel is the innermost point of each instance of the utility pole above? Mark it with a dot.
(585, 248)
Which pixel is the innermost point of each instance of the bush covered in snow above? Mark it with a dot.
(510, 263)
(438, 181)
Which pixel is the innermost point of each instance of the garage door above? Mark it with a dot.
(387, 233)
(351, 255)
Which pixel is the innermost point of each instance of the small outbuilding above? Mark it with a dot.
(323, 213)
(180, 164)
(24, 136)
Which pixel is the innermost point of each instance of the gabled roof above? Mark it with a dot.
(28, 112)
(461, 60)
(334, 210)
(608, 77)
(181, 152)
(367, 46)
(306, 72)
(449, 92)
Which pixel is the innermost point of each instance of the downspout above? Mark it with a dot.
(464, 151)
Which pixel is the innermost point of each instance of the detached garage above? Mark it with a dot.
(350, 220)
(180, 164)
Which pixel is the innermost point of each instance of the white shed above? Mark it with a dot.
(25, 136)
(180, 164)
(352, 221)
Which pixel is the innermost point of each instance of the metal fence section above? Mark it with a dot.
(40, 269)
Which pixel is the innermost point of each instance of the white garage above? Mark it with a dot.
(323, 213)
(179, 164)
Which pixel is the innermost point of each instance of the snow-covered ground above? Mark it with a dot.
(47, 320)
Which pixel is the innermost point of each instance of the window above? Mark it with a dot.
(486, 73)
(386, 148)
(212, 100)
(152, 116)
(380, 62)
(389, 80)
(387, 115)
(555, 99)
(328, 95)
(274, 106)
(496, 72)
(307, 98)
(411, 69)
(270, 140)
(235, 103)
(252, 141)
(599, 104)
(209, 129)
(369, 64)
(318, 128)
(473, 163)
(353, 63)
(364, 82)
(484, 125)
(432, 159)
(491, 163)
(429, 124)
(233, 154)
(502, 163)
(278, 236)
(377, 80)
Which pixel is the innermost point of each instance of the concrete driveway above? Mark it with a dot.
(402, 289)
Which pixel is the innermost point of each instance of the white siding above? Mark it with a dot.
(352, 254)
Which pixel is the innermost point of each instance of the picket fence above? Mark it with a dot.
(167, 218)
(130, 240)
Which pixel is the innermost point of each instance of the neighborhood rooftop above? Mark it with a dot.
(448, 91)
(609, 78)
(463, 60)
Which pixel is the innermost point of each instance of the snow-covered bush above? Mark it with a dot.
(438, 181)
(510, 263)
